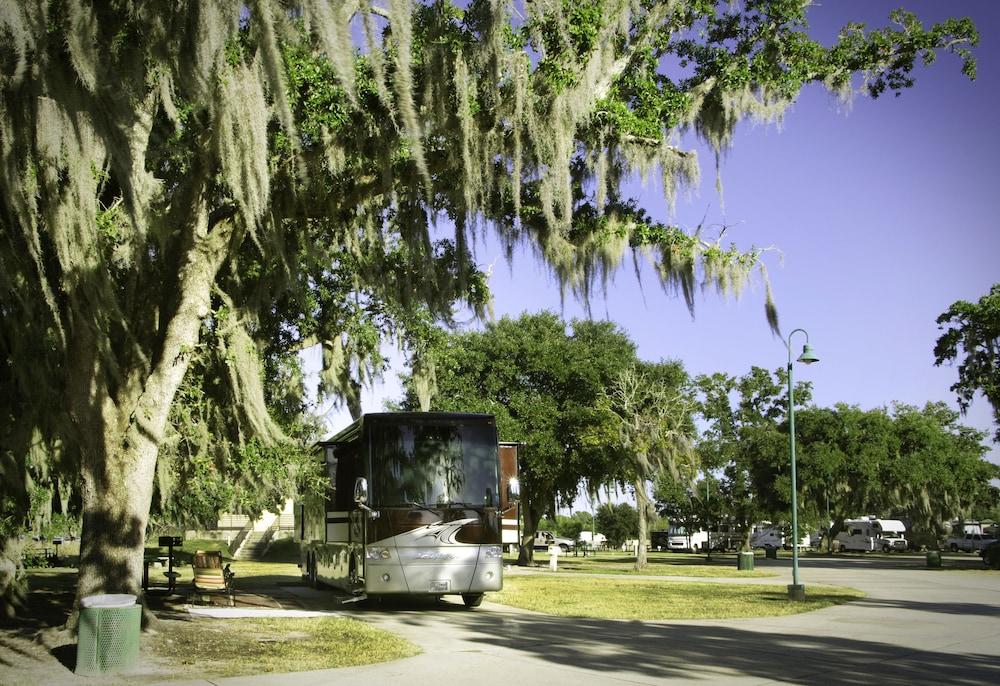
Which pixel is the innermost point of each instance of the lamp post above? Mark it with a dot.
(796, 591)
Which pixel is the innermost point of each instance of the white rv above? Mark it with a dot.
(871, 534)
(681, 540)
(766, 536)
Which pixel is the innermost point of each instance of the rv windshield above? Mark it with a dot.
(434, 464)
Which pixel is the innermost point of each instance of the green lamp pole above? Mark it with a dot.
(796, 591)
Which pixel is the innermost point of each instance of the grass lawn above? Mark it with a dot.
(184, 646)
(723, 565)
(646, 599)
(252, 645)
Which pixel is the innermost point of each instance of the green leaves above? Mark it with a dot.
(972, 333)
(542, 379)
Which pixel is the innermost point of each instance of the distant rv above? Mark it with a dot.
(870, 534)
(679, 539)
(766, 535)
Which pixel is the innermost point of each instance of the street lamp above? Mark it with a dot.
(796, 591)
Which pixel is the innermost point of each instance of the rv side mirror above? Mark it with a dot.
(361, 490)
(513, 489)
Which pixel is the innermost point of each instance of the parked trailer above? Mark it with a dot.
(412, 507)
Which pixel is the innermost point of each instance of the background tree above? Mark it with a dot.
(842, 455)
(542, 380)
(619, 522)
(743, 439)
(571, 526)
(674, 500)
(169, 172)
(972, 330)
(653, 410)
(915, 464)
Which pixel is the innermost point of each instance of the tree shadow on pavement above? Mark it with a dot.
(964, 609)
(628, 650)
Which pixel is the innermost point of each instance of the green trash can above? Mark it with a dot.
(744, 562)
(108, 634)
(933, 558)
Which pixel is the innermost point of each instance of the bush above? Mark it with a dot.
(35, 559)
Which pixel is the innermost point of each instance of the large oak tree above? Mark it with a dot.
(185, 175)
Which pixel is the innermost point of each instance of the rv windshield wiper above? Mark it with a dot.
(422, 507)
(470, 506)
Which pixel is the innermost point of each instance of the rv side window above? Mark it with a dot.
(330, 458)
(347, 472)
(855, 532)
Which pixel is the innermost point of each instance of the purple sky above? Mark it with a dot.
(884, 214)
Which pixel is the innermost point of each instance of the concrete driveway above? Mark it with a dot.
(916, 626)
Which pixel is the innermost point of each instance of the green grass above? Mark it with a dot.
(660, 564)
(283, 550)
(196, 647)
(252, 645)
(645, 599)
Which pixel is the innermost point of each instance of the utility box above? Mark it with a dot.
(108, 634)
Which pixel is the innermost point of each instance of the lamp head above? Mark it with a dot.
(807, 356)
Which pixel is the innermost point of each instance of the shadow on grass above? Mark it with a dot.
(50, 597)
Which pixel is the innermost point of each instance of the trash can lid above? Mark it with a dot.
(108, 600)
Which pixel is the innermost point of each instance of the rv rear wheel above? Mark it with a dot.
(886, 548)
(472, 599)
(954, 548)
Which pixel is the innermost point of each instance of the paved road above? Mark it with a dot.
(917, 626)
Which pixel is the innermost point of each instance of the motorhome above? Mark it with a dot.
(593, 540)
(767, 536)
(871, 533)
(679, 539)
(413, 505)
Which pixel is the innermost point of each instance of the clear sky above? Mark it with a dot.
(884, 213)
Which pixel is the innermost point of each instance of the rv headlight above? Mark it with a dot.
(377, 553)
(493, 552)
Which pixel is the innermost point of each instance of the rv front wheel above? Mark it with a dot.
(472, 599)
(886, 549)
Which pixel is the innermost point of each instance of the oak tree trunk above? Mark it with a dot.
(122, 415)
(642, 505)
